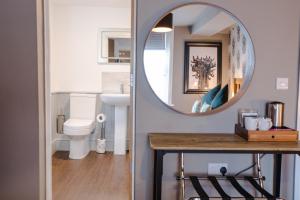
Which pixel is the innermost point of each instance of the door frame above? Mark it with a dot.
(47, 94)
(297, 157)
(46, 145)
(132, 93)
(40, 46)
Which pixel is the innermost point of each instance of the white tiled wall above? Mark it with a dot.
(111, 82)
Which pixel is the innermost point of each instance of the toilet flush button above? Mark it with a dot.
(282, 83)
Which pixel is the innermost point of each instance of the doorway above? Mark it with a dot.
(73, 42)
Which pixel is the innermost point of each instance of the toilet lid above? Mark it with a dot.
(79, 124)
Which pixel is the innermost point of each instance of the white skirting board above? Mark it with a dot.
(63, 145)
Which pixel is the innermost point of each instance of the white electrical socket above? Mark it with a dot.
(282, 83)
(214, 168)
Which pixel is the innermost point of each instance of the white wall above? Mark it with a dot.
(73, 57)
(73, 44)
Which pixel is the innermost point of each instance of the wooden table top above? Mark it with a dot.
(220, 142)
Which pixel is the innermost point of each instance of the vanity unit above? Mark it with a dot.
(163, 143)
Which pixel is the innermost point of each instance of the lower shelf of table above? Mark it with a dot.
(234, 183)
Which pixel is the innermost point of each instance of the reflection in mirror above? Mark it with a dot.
(202, 63)
(114, 46)
(119, 50)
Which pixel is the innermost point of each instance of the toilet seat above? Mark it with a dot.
(78, 127)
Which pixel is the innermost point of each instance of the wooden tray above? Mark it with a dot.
(273, 135)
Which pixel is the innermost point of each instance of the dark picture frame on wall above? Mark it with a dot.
(202, 66)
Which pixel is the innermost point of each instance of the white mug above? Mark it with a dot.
(251, 123)
(264, 124)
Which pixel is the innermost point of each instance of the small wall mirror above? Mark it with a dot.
(198, 59)
(114, 46)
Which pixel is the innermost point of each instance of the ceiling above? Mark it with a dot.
(202, 19)
(103, 3)
(187, 15)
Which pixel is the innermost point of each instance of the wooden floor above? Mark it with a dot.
(96, 177)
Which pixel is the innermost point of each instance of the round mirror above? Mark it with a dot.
(198, 59)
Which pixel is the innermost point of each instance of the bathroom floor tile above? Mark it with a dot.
(96, 177)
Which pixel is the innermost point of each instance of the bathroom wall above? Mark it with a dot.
(61, 106)
(274, 28)
(73, 60)
(182, 34)
(73, 44)
(111, 82)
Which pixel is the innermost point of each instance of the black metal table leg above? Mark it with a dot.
(277, 175)
(158, 172)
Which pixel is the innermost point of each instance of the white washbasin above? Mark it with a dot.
(116, 99)
(120, 101)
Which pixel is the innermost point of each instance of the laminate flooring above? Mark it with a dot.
(96, 177)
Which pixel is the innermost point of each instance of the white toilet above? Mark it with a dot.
(81, 124)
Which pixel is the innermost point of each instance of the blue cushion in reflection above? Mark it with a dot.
(210, 95)
(220, 98)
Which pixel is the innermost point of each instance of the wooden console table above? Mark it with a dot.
(163, 143)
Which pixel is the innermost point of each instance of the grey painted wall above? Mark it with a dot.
(19, 146)
(274, 28)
